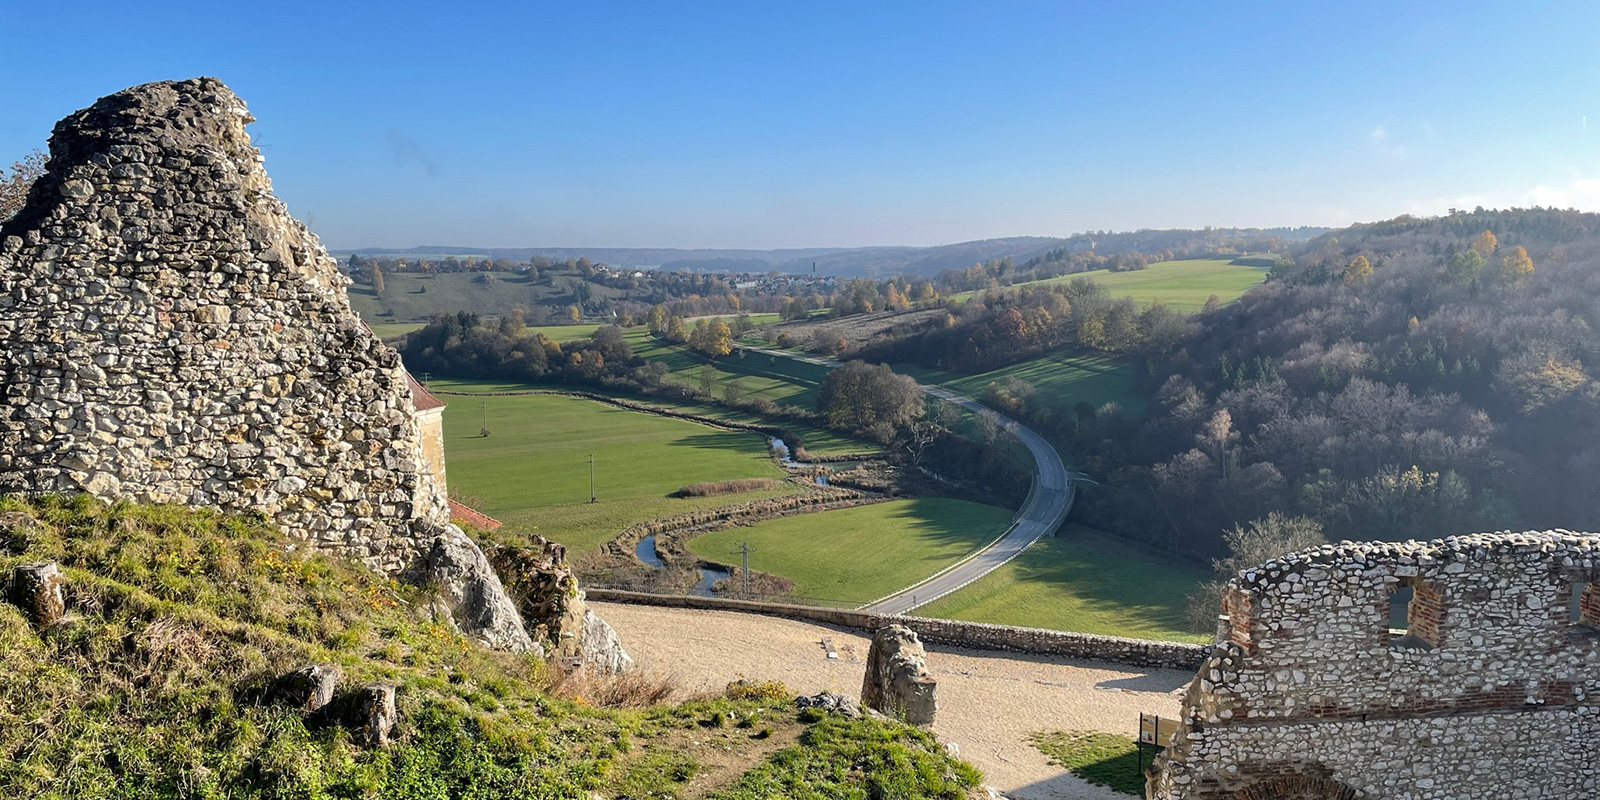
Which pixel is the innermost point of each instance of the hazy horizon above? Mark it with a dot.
(733, 127)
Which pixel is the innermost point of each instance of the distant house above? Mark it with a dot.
(430, 421)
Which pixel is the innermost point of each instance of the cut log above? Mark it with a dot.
(36, 589)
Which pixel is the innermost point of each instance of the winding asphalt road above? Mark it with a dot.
(1047, 505)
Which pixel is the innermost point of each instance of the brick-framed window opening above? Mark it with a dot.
(1419, 606)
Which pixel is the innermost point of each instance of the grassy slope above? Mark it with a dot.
(1086, 582)
(1183, 285)
(391, 330)
(860, 554)
(416, 297)
(533, 469)
(153, 687)
(1063, 377)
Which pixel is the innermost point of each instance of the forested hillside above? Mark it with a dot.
(1408, 378)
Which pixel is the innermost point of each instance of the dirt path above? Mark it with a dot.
(988, 702)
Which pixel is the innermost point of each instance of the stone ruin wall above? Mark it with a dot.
(169, 334)
(1492, 691)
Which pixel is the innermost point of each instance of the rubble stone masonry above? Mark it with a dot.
(1491, 691)
(169, 334)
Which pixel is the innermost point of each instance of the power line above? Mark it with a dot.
(744, 552)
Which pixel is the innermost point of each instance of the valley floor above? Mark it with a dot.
(988, 702)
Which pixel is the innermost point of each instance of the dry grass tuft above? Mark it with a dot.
(716, 488)
(635, 689)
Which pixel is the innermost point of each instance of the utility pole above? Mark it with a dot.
(591, 479)
(744, 571)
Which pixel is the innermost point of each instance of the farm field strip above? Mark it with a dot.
(855, 555)
(1082, 580)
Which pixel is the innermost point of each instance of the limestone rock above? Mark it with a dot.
(472, 591)
(599, 647)
(831, 702)
(546, 592)
(36, 589)
(310, 688)
(378, 715)
(897, 682)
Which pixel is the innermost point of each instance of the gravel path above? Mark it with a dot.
(988, 702)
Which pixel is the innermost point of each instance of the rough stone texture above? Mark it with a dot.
(310, 688)
(378, 714)
(897, 682)
(1492, 690)
(171, 335)
(36, 589)
(555, 610)
(975, 635)
(831, 702)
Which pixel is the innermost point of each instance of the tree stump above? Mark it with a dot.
(377, 712)
(309, 688)
(36, 589)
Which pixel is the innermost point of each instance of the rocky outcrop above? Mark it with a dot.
(169, 334)
(557, 615)
(897, 681)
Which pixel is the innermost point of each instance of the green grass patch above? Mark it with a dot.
(391, 330)
(417, 297)
(856, 555)
(1087, 582)
(843, 758)
(532, 471)
(1182, 285)
(156, 686)
(1062, 378)
(1103, 759)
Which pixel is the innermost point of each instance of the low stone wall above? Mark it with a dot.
(974, 635)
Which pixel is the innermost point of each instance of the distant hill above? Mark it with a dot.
(874, 262)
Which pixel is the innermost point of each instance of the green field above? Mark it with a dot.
(1087, 582)
(1063, 378)
(417, 297)
(391, 330)
(532, 471)
(857, 555)
(1182, 285)
(783, 381)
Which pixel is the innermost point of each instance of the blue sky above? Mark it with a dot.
(699, 124)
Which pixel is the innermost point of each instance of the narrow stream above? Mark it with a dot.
(646, 551)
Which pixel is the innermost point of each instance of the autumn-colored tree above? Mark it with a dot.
(15, 183)
(1358, 271)
(658, 318)
(377, 280)
(1485, 244)
(675, 332)
(574, 314)
(713, 338)
(1212, 304)
(733, 301)
(1516, 265)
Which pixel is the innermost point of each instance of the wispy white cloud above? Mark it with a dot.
(1385, 145)
(1580, 192)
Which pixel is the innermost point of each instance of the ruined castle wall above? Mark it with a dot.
(1474, 698)
(168, 333)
